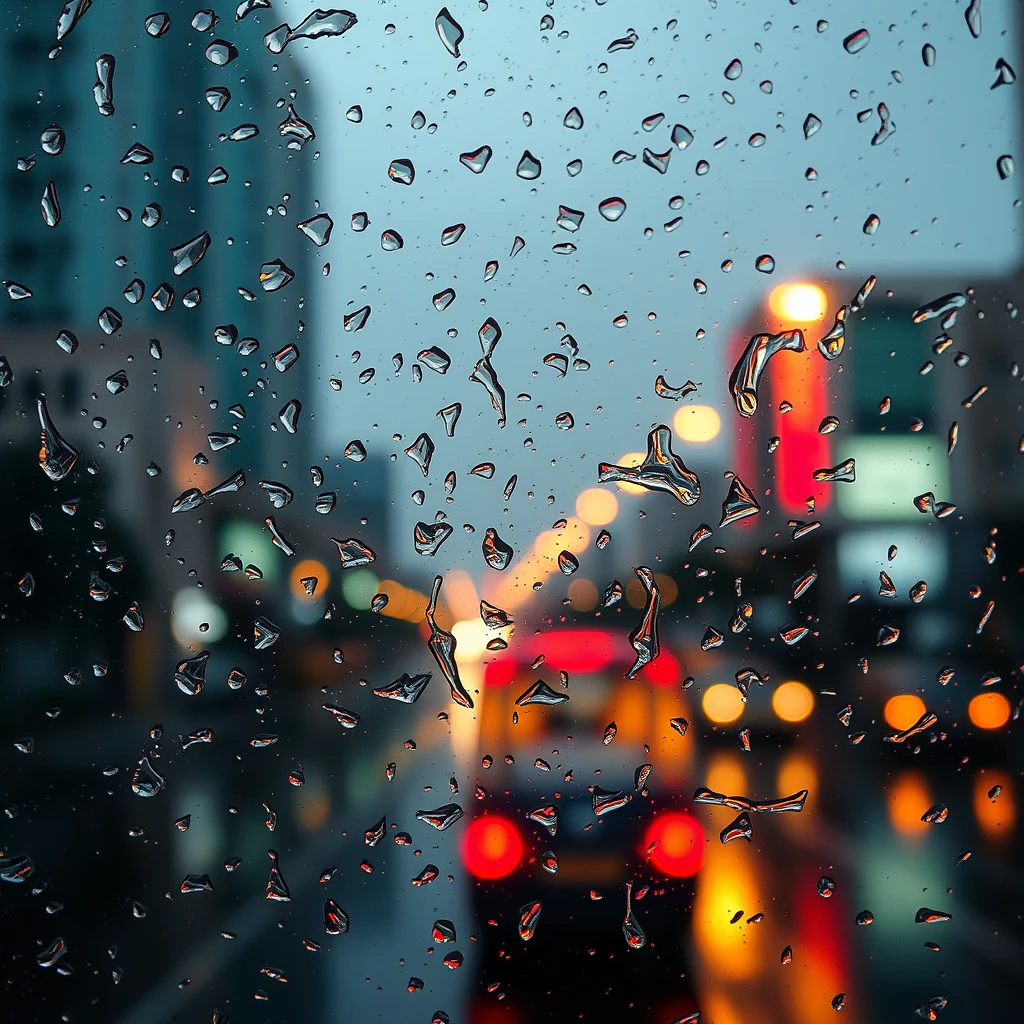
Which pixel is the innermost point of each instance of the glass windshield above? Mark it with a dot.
(512, 512)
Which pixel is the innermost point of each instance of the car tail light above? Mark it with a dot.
(674, 844)
(491, 847)
(663, 671)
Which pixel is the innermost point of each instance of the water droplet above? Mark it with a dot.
(546, 815)
(146, 780)
(218, 98)
(661, 470)
(476, 160)
(345, 718)
(400, 171)
(49, 205)
(1004, 166)
(16, 869)
(277, 888)
(52, 140)
(49, 956)
(856, 41)
(973, 18)
(336, 921)
(427, 538)
(931, 1008)
(442, 645)
(275, 275)
(746, 375)
(612, 209)
(568, 563)
(313, 26)
(189, 253)
(681, 136)
(103, 90)
(540, 693)
(845, 472)
(190, 674)
(573, 119)
(449, 31)
(528, 167)
(450, 235)
(56, 457)
(739, 828)
(634, 934)
(220, 52)
(832, 344)
(442, 817)
(812, 124)
(483, 374)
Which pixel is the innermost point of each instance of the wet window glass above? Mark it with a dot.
(512, 511)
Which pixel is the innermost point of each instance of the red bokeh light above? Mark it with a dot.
(663, 671)
(582, 651)
(574, 650)
(678, 841)
(491, 847)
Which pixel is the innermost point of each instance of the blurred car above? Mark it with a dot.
(575, 832)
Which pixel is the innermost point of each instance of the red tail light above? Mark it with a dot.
(676, 844)
(663, 671)
(491, 847)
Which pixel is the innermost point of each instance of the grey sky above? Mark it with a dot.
(933, 184)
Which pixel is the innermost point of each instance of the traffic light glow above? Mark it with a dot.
(491, 847)
(678, 844)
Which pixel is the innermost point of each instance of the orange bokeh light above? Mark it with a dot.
(907, 800)
(989, 710)
(903, 710)
(309, 567)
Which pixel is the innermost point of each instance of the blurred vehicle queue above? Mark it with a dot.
(620, 855)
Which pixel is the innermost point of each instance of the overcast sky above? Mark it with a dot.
(943, 211)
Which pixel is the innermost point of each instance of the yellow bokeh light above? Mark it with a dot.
(793, 701)
(722, 703)
(306, 568)
(667, 588)
(798, 303)
(725, 773)
(726, 884)
(636, 595)
(471, 637)
(583, 595)
(574, 537)
(630, 459)
(460, 594)
(907, 800)
(903, 710)
(798, 771)
(989, 710)
(547, 544)
(406, 603)
(597, 507)
(697, 423)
